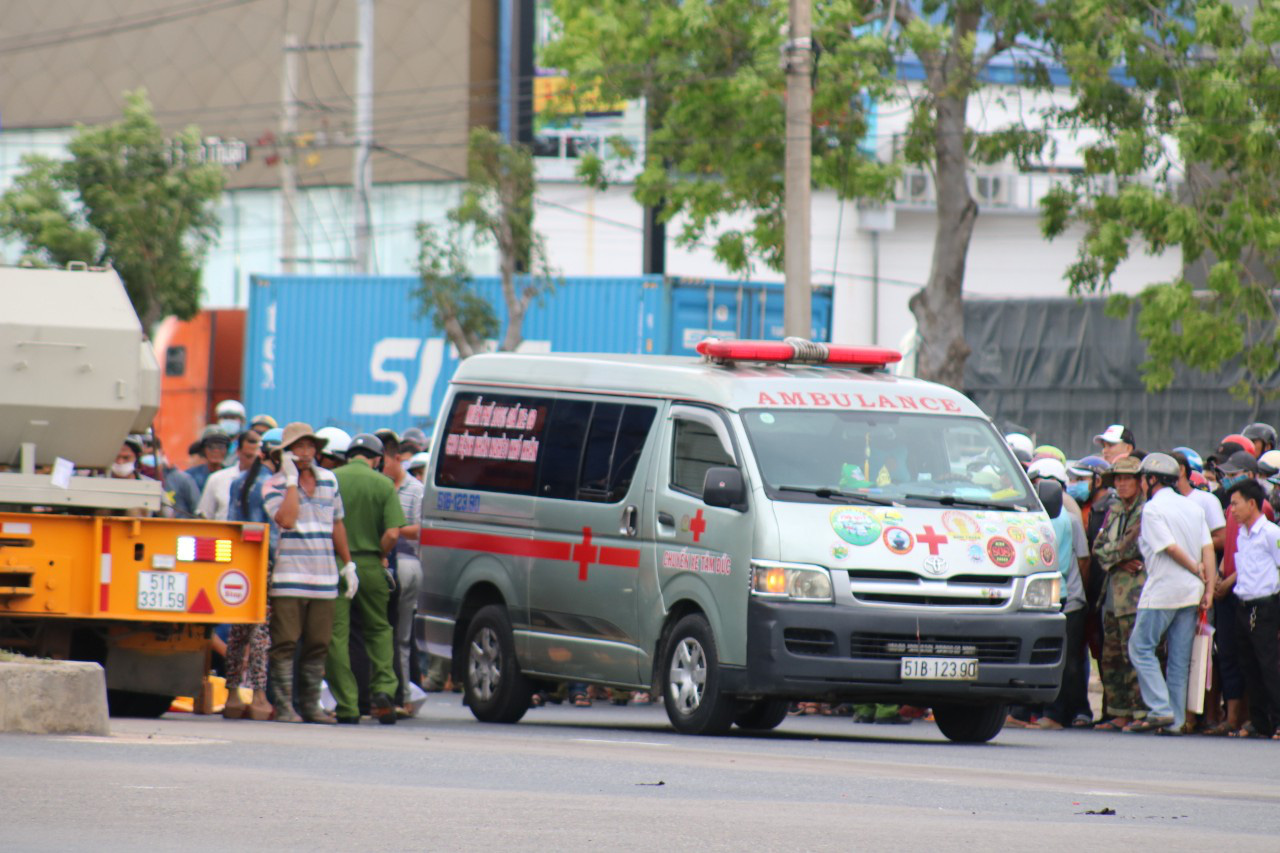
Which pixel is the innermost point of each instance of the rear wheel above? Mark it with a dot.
(970, 723)
(762, 715)
(496, 690)
(691, 680)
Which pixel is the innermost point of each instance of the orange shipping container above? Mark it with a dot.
(201, 359)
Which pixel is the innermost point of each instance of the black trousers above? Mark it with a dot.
(1257, 622)
(1073, 695)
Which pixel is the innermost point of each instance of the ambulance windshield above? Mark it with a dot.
(914, 459)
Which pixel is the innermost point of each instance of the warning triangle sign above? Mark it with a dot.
(201, 604)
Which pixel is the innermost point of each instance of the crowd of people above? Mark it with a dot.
(324, 494)
(1157, 548)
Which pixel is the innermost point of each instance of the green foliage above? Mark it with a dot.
(712, 85)
(127, 196)
(496, 208)
(1186, 162)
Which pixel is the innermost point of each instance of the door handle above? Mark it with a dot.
(666, 519)
(629, 527)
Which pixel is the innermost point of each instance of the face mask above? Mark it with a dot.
(122, 469)
(149, 460)
(230, 426)
(1079, 491)
(1228, 482)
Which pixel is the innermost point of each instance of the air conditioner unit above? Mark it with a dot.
(915, 187)
(993, 190)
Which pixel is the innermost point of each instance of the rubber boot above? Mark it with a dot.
(260, 709)
(282, 691)
(312, 675)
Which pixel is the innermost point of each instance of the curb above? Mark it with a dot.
(52, 697)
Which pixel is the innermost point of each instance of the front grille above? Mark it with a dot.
(809, 641)
(897, 587)
(1047, 650)
(895, 646)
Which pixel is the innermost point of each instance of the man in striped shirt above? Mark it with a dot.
(303, 501)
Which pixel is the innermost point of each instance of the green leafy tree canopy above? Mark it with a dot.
(1187, 160)
(127, 196)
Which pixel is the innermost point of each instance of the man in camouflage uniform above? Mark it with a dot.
(1116, 549)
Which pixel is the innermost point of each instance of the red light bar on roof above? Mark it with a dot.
(796, 351)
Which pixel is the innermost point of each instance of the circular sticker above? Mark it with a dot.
(766, 418)
(1016, 534)
(1032, 557)
(898, 540)
(961, 525)
(1001, 552)
(1047, 554)
(1033, 535)
(855, 526)
(233, 588)
(975, 553)
(839, 552)
(1046, 532)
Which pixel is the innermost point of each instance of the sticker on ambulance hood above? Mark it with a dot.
(899, 540)
(1047, 554)
(1032, 557)
(1001, 551)
(1016, 534)
(855, 526)
(961, 526)
(840, 552)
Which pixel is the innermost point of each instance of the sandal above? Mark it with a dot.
(580, 700)
(537, 700)
(1150, 724)
(1113, 725)
(1246, 731)
(1222, 729)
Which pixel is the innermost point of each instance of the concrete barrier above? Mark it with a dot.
(52, 697)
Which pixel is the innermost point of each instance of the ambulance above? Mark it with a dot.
(770, 522)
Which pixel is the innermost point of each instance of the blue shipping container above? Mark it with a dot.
(353, 352)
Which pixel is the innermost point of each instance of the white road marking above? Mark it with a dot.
(628, 742)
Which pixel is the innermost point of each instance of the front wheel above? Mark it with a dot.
(691, 680)
(763, 715)
(497, 691)
(970, 723)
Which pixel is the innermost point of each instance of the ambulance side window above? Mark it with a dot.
(614, 444)
(495, 443)
(562, 449)
(695, 448)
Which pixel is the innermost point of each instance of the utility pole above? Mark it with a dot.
(798, 59)
(362, 177)
(288, 167)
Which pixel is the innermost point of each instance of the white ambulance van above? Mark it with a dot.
(774, 521)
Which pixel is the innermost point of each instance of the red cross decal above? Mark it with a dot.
(933, 540)
(584, 553)
(698, 526)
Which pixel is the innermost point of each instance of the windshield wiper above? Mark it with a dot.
(952, 500)
(828, 492)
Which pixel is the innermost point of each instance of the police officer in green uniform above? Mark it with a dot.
(373, 521)
(1116, 550)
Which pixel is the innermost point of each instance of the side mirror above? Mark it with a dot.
(724, 487)
(1050, 492)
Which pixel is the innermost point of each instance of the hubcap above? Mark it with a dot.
(688, 677)
(484, 664)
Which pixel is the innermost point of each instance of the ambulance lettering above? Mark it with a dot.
(832, 400)
(707, 564)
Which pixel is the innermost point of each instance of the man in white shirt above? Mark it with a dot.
(1178, 552)
(1256, 584)
(215, 500)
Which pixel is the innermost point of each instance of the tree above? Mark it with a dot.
(713, 90)
(496, 208)
(127, 196)
(1187, 160)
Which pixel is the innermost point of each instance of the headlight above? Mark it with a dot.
(1042, 592)
(790, 581)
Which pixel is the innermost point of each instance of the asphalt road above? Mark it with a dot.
(618, 778)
